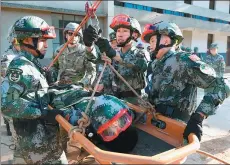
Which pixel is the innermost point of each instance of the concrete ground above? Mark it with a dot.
(216, 138)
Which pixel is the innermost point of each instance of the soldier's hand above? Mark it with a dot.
(117, 58)
(90, 35)
(100, 87)
(194, 125)
(106, 59)
(104, 46)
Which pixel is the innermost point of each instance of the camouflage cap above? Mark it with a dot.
(213, 46)
(105, 107)
(196, 49)
(112, 36)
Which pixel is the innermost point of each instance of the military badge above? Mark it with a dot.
(15, 74)
(194, 57)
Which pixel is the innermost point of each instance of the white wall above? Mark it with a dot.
(199, 39)
(221, 40)
(10, 16)
(204, 4)
(187, 38)
(222, 6)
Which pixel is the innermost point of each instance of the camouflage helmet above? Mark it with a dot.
(137, 26)
(72, 26)
(10, 34)
(213, 46)
(163, 28)
(34, 27)
(107, 110)
(112, 36)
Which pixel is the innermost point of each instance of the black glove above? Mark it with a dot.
(194, 125)
(104, 46)
(49, 115)
(90, 35)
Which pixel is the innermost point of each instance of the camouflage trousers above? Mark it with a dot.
(21, 160)
(74, 152)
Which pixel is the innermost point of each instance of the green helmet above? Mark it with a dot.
(72, 26)
(163, 28)
(34, 27)
(213, 46)
(182, 48)
(107, 110)
(112, 36)
(188, 49)
(137, 26)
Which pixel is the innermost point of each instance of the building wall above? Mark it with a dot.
(222, 6)
(187, 38)
(11, 15)
(221, 40)
(199, 39)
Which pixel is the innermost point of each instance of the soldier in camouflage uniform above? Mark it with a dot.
(176, 77)
(215, 60)
(73, 66)
(7, 57)
(25, 97)
(131, 61)
(107, 84)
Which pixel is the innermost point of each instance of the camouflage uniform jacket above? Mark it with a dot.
(73, 65)
(217, 62)
(25, 94)
(7, 57)
(175, 80)
(132, 69)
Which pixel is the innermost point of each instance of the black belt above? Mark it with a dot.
(127, 94)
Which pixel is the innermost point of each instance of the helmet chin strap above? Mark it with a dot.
(160, 46)
(127, 40)
(35, 42)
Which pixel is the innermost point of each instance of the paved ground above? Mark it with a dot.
(216, 139)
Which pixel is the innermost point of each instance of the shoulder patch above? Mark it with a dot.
(206, 69)
(15, 74)
(194, 57)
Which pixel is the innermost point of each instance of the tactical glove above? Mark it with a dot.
(49, 115)
(104, 46)
(194, 125)
(90, 35)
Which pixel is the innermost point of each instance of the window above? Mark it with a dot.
(210, 40)
(212, 4)
(188, 2)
